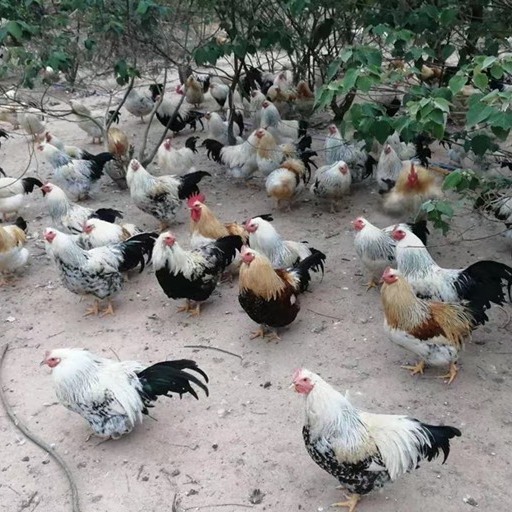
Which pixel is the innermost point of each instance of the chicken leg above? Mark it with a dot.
(351, 502)
(264, 333)
(196, 310)
(94, 309)
(371, 284)
(109, 310)
(186, 308)
(452, 373)
(418, 368)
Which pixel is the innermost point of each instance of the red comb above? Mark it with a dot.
(296, 373)
(195, 197)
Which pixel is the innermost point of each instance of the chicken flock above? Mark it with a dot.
(428, 310)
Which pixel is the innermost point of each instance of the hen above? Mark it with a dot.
(97, 272)
(13, 254)
(71, 216)
(218, 128)
(194, 91)
(177, 161)
(161, 196)
(283, 131)
(192, 275)
(13, 192)
(376, 247)
(363, 450)
(264, 239)
(219, 93)
(112, 396)
(138, 104)
(388, 169)
(480, 283)
(175, 114)
(286, 182)
(435, 331)
(269, 296)
(331, 183)
(98, 233)
(71, 151)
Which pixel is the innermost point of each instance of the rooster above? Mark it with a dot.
(218, 128)
(480, 283)
(96, 272)
(358, 160)
(117, 142)
(71, 217)
(98, 233)
(173, 115)
(304, 100)
(77, 177)
(332, 182)
(13, 254)
(194, 91)
(389, 167)
(13, 192)
(435, 331)
(160, 196)
(363, 450)
(286, 182)
(112, 395)
(269, 296)
(177, 161)
(264, 239)
(376, 247)
(283, 131)
(139, 105)
(72, 151)
(219, 93)
(192, 275)
(414, 186)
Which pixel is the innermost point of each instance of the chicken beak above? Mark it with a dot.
(43, 362)
(292, 386)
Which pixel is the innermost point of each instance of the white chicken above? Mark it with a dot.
(33, 122)
(257, 99)
(138, 104)
(13, 254)
(177, 161)
(388, 169)
(404, 150)
(283, 131)
(98, 233)
(219, 93)
(91, 124)
(112, 396)
(218, 128)
(72, 151)
(264, 239)
(13, 192)
(331, 183)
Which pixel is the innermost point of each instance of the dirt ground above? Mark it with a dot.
(213, 453)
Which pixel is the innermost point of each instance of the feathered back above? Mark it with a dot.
(267, 145)
(10, 237)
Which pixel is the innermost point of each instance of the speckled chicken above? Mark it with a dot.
(331, 183)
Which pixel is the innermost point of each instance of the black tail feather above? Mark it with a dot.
(166, 377)
(21, 223)
(314, 262)
(190, 143)
(97, 164)
(266, 216)
(303, 128)
(189, 184)
(107, 214)
(439, 440)
(229, 245)
(135, 249)
(420, 229)
(29, 184)
(213, 149)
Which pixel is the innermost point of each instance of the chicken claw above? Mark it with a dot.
(351, 503)
(196, 310)
(371, 284)
(93, 310)
(109, 310)
(452, 373)
(418, 368)
(263, 333)
(186, 308)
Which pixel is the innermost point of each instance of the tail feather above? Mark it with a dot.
(482, 283)
(189, 183)
(191, 143)
(420, 229)
(213, 149)
(229, 245)
(303, 128)
(439, 437)
(97, 164)
(135, 249)
(107, 214)
(314, 262)
(166, 377)
(29, 184)
(21, 223)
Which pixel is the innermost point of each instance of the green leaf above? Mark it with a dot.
(14, 29)
(477, 113)
(457, 83)
(488, 61)
(364, 83)
(452, 181)
(496, 71)
(333, 68)
(480, 144)
(437, 116)
(447, 51)
(442, 104)
(382, 130)
(480, 80)
(349, 80)
(445, 208)
(346, 54)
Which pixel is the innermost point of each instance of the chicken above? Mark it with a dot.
(376, 248)
(332, 182)
(117, 142)
(499, 204)
(240, 159)
(165, 113)
(72, 151)
(414, 186)
(138, 104)
(13, 192)
(33, 122)
(98, 233)
(264, 239)
(71, 217)
(13, 254)
(90, 123)
(388, 169)
(160, 196)
(192, 275)
(281, 99)
(112, 396)
(257, 99)
(218, 128)
(363, 450)
(270, 297)
(268, 154)
(304, 100)
(219, 93)
(96, 272)
(283, 131)
(404, 150)
(355, 156)
(480, 283)
(177, 161)
(194, 91)
(78, 177)
(435, 331)
(286, 182)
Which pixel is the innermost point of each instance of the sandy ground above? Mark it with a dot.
(216, 451)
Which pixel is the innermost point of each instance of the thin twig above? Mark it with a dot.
(215, 348)
(37, 440)
(323, 314)
(221, 505)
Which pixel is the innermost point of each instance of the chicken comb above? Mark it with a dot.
(194, 198)
(296, 374)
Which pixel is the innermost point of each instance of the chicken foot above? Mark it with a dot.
(93, 310)
(350, 503)
(264, 333)
(109, 310)
(191, 307)
(418, 368)
(452, 373)
(372, 283)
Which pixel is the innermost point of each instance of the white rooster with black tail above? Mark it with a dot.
(97, 272)
(112, 396)
(363, 450)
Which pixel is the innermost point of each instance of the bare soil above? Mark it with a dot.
(215, 452)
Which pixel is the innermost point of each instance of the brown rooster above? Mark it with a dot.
(435, 331)
(13, 254)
